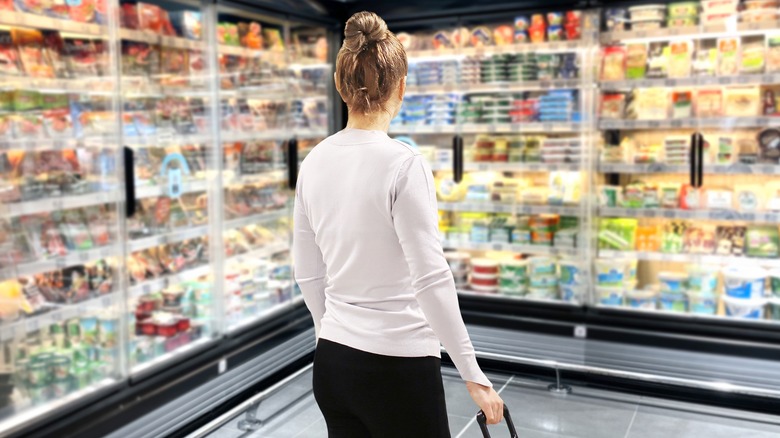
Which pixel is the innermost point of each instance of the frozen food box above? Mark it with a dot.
(9, 56)
(29, 44)
(188, 24)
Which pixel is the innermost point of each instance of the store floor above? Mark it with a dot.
(588, 413)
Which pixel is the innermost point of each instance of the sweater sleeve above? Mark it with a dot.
(415, 218)
(308, 264)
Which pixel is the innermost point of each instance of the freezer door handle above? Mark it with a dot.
(129, 167)
(696, 158)
(482, 421)
(457, 158)
(292, 163)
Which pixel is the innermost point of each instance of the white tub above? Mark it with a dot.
(744, 309)
(744, 282)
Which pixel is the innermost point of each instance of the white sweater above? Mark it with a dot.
(367, 252)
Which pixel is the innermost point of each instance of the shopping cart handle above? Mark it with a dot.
(482, 420)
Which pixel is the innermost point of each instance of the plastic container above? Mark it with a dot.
(752, 5)
(484, 280)
(489, 289)
(744, 309)
(758, 15)
(610, 296)
(513, 269)
(458, 261)
(773, 309)
(703, 278)
(673, 302)
(673, 282)
(647, 24)
(774, 282)
(701, 303)
(541, 265)
(683, 9)
(642, 299)
(571, 294)
(484, 266)
(647, 12)
(543, 293)
(719, 6)
(545, 281)
(744, 282)
(570, 271)
(610, 272)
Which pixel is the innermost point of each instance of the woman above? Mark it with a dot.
(370, 265)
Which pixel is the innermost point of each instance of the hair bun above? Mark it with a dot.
(362, 29)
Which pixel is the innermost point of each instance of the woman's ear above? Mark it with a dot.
(402, 89)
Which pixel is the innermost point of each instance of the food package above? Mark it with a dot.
(705, 60)
(709, 103)
(56, 116)
(139, 59)
(730, 240)
(691, 198)
(619, 234)
(742, 101)
(54, 50)
(650, 103)
(728, 56)
(174, 66)
(699, 239)
(680, 59)
(682, 104)
(773, 53)
(719, 199)
(90, 11)
(503, 35)
(753, 55)
(272, 38)
(673, 237)
(84, 58)
(151, 18)
(772, 193)
(670, 195)
(658, 60)
(227, 34)
(250, 35)
(636, 60)
(612, 105)
(10, 64)
(441, 40)
(762, 241)
(29, 44)
(481, 36)
(613, 64)
(188, 24)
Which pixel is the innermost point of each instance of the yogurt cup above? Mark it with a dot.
(703, 278)
(702, 303)
(545, 281)
(610, 296)
(458, 261)
(744, 282)
(774, 282)
(541, 265)
(571, 293)
(673, 282)
(642, 299)
(484, 266)
(744, 308)
(673, 302)
(773, 309)
(610, 272)
(570, 271)
(543, 293)
(487, 289)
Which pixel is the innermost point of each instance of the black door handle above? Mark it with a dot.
(696, 157)
(292, 163)
(457, 158)
(129, 168)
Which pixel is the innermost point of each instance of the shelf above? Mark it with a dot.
(521, 167)
(714, 215)
(73, 258)
(552, 47)
(710, 122)
(163, 140)
(423, 129)
(519, 249)
(503, 87)
(266, 250)
(24, 19)
(131, 89)
(135, 245)
(699, 81)
(158, 190)
(161, 40)
(689, 258)
(540, 127)
(56, 144)
(489, 207)
(245, 52)
(276, 173)
(59, 314)
(310, 132)
(268, 216)
(157, 284)
(99, 85)
(499, 295)
(268, 134)
(275, 309)
(48, 205)
(724, 169)
(169, 356)
(699, 32)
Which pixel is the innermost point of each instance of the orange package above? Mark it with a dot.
(647, 238)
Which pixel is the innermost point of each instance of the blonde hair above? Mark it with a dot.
(370, 63)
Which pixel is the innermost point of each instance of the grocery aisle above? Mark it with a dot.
(293, 413)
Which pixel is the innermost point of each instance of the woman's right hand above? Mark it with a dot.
(488, 400)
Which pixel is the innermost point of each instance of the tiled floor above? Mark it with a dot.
(586, 413)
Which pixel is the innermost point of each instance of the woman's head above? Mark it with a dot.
(371, 66)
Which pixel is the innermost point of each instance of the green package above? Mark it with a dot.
(618, 234)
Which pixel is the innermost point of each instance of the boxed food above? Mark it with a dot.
(646, 24)
(742, 101)
(88, 11)
(9, 56)
(612, 105)
(174, 66)
(84, 59)
(719, 199)
(730, 240)
(613, 64)
(709, 103)
(762, 241)
(29, 44)
(682, 104)
(752, 5)
(651, 103)
(699, 239)
(728, 56)
(615, 18)
(56, 115)
(227, 34)
(658, 60)
(188, 24)
(647, 12)
(758, 15)
(139, 59)
(636, 60)
(683, 9)
(719, 6)
(680, 59)
(773, 53)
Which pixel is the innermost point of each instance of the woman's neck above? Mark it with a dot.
(379, 121)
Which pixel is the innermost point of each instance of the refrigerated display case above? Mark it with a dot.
(60, 280)
(687, 175)
(502, 113)
(144, 187)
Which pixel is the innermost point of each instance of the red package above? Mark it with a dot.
(83, 11)
(128, 16)
(54, 49)
(29, 43)
(6, 5)
(9, 56)
(150, 17)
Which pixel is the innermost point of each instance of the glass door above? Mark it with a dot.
(166, 105)
(688, 192)
(255, 120)
(60, 285)
(510, 101)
